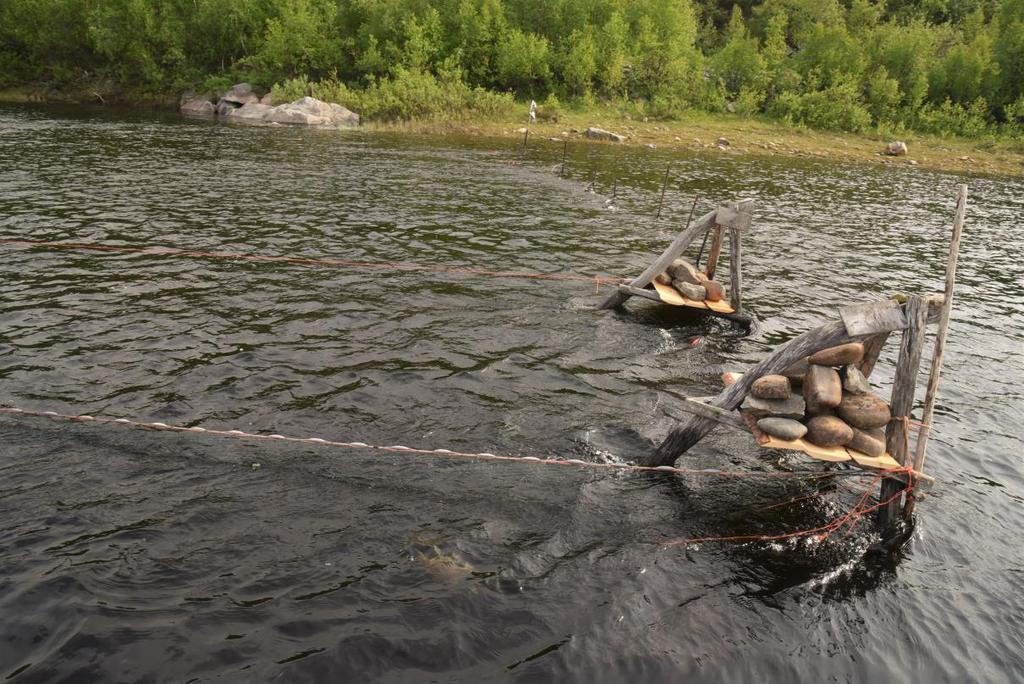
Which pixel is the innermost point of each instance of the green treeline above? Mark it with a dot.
(950, 67)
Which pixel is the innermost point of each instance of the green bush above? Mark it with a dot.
(405, 95)
(953, 118)
(835, 108)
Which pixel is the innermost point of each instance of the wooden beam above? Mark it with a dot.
(940, 343)
(631, 291)
(828, 335)
(873, 317)
(714, 253)
(714, 413)
(735, 271)
(681, 242)
(904, 384)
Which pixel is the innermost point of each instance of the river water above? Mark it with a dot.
(132, 555)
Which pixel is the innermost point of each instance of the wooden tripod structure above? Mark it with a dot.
(871, 324)
(734, 218)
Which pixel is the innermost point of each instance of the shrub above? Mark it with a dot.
(837, 108)
(953, 118)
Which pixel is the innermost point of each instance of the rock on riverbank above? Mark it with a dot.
(241, 105)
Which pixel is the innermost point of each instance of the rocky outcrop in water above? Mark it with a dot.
(240, 104)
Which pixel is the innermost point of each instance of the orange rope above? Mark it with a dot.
(308, 261)
(821, 532)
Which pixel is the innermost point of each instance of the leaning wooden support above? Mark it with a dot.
(683, 241)
(897, 434)
(829, 335)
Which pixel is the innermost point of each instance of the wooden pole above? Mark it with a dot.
(940, 343)
(735, 271)
(665, 260)
(526, 137)
(565, 148)
(664, 185)
(714, 253)
(904, 384)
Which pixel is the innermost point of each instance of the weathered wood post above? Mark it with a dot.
(940, 345)
(736, 258)
(904, 384)
(565, 149)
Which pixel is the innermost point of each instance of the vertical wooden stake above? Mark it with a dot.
(664, 184)
(735, 271)
(940, 343)
(565, 148)
(903, 387)
(526, 137)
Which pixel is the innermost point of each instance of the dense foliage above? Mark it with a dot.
(940, 66)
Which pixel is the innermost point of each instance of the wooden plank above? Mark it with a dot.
(671, 295)
(883, 462)
(714, 253)
(940, 343)
(873, 317)
(714, 413)
(736, 215)
(735, 271)
(720, 307)
(673, 251)
(631, 291)
(904, 385)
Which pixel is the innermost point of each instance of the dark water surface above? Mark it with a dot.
(129, 555)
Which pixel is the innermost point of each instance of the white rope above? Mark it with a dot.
(447, 453)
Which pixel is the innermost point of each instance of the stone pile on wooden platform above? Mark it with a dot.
(691, 283)
(824, 399)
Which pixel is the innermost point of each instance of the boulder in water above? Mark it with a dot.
(251, 112)
(309, 111)
(197, 106)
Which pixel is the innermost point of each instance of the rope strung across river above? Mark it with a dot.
(437, 453)
(598, 280)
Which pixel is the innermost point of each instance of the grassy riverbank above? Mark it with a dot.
(696, 131)
(747, 135)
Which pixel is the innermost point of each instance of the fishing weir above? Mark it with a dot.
(674, 281)
(812, 394)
